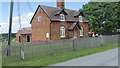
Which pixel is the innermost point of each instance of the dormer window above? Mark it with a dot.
(62, 17)
(40, 19)
(80, 19)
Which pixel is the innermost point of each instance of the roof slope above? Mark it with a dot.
(74, 25)
(52, 11)
(26, 30)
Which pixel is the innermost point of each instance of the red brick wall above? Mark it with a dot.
(55, 30)
(60, 3)
(23, 37)
(85, 29)
(17, 36)
(39, 29)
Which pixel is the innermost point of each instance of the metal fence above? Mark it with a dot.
(33, 49)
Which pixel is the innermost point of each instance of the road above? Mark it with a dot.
(107, 58)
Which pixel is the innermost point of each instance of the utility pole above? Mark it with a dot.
(10, 29)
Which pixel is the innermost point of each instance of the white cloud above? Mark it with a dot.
(4, 27)
(25, 22)
(30, 14)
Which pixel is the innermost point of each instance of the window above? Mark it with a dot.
(62, 17)
(80, 19)
(81, 31)
(47, 35)
(40, 19)
(62, 31)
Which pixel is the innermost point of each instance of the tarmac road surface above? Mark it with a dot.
(106, 58)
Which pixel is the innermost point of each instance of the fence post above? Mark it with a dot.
(101, 37)
(21, 53)
(73, 44)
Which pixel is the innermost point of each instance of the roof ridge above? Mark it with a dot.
(25, 28)
(51, 13)
(47, 6)
(60, 8)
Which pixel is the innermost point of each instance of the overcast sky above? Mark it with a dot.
(27, 10)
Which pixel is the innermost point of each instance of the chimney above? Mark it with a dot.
(60, 4)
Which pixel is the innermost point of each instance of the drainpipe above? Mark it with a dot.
(50, 30)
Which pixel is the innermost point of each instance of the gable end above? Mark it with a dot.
(36, 12)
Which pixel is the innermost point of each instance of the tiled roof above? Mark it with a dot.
(74, 25)
(52, 11)
(26, 30)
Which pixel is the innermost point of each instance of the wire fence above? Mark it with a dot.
(23, 51)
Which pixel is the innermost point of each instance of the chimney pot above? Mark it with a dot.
(60, 4)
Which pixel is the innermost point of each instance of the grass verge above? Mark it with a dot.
(49, 59)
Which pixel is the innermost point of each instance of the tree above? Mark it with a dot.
(102, 16)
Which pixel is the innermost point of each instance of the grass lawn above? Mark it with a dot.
(49, 59)
(6, 43)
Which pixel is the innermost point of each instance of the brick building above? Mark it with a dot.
(57, 23)
(23, 35)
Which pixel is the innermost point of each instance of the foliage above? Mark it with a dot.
(102, 16)
(5, 36)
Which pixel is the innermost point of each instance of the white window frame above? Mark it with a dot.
(47, 35)
(81, 31)
(62, 17)
(62, 31)
(40, 19)
(80, 19)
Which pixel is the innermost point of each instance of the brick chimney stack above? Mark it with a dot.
(60, 4)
